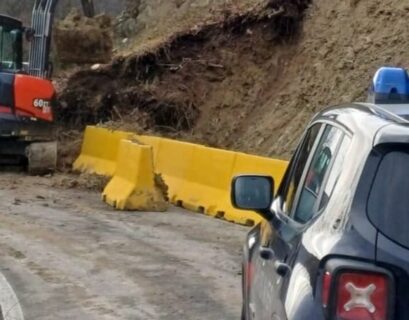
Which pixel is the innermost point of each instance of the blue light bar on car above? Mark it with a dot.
(390, 86)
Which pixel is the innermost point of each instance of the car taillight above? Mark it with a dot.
(362, 296)
(356, 295)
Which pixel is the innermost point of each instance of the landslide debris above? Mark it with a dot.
(84, 181)
(165, 86)
(79, 39)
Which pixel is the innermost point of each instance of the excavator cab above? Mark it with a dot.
(11, 44)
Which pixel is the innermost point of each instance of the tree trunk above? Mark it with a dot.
(88, 8)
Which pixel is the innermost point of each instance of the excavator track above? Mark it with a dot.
(42, 157)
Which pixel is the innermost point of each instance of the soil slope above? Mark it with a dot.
(249, 81)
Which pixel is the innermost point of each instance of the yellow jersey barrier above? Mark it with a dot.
(174, 158)
(133, 184)
(207, 179)
(198, 177)
(99, 151)
(152, 141)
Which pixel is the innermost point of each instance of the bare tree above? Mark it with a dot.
(88, 8)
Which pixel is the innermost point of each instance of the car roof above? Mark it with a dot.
(375, 123)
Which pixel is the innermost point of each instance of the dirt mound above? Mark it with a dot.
(84, 181)
(79, 39)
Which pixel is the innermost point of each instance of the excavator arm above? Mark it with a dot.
(42, 21)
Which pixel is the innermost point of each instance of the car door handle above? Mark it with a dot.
(267, 253)
(282, 269)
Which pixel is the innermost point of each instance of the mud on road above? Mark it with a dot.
(68, 256)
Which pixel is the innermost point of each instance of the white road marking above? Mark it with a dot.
(9, 303)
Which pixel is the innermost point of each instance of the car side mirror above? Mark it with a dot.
(253, 192)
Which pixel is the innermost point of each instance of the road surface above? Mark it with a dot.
(69, 256)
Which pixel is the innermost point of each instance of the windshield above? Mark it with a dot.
(9, 51)
(388, 202)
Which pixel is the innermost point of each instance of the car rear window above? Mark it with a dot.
(388, 203)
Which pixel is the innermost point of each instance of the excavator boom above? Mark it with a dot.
(42, 21)
(42, 25)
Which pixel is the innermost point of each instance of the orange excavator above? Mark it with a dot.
(27, 95)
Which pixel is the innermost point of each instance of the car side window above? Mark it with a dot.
(293, 177)
(335, 172)
(316, 175)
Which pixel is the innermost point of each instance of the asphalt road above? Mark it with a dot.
(69, 256)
